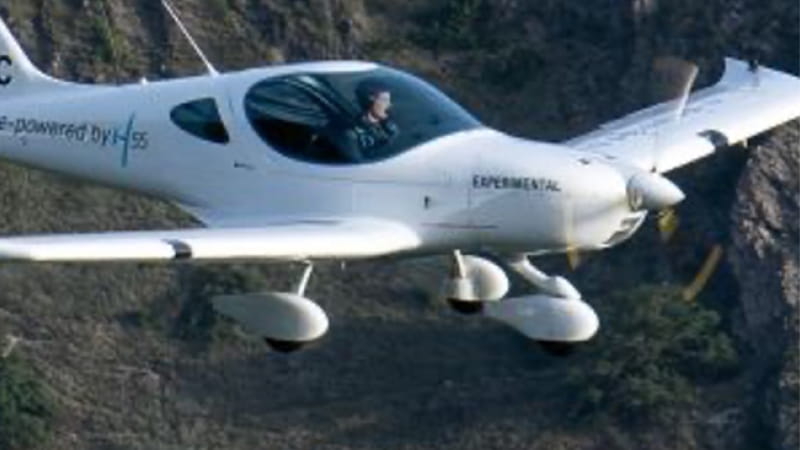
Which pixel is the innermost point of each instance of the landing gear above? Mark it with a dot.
(468, 308)
(473, 281)
(286, 321)
(557, 318)
(554, 286)
(284, 346)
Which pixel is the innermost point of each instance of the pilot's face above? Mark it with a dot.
(380, 105)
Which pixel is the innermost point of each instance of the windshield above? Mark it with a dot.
(352, 117)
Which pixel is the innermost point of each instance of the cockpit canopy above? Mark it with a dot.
(351, 117)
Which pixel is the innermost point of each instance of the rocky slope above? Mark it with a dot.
(398, 370)
(766, 259)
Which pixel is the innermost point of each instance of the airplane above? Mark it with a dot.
(344, 160)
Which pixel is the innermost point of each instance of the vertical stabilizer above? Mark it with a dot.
(18, 75)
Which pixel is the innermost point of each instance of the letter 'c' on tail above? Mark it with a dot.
(18, 75)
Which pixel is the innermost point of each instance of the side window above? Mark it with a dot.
(201, 118)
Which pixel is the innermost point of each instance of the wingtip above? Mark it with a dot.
(739, 73)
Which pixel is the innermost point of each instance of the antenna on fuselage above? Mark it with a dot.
(211, 70)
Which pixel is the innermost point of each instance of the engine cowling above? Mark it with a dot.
(475, 282)
(285, 321)
(547, 319)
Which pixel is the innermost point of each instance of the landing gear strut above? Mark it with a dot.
(557, 318)
(473, 281)
(555, 286)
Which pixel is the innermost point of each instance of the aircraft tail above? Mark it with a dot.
(18, 75)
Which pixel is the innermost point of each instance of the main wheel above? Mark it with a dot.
(555, 348)
(464, 307)
(284, 346)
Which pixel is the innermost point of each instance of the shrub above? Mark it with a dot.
(106, 47)
(453, 25)
(653, 348)
(25, 410)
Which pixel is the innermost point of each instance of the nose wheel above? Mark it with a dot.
(468, 308)
(556, 317)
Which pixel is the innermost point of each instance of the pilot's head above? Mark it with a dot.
(375, 99)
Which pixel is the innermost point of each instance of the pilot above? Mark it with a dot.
(374, 128)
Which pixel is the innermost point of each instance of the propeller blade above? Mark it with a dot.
(673, 81)
(668, 222)
(673, 78)
(710, 265)
(573, 252)
(574, 258)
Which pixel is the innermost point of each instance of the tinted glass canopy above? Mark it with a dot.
(351, 117)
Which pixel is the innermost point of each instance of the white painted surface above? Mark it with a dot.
(544, 318)
(282, 316)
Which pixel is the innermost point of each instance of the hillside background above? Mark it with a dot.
(130, 358)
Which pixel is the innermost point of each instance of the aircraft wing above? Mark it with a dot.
(746, 101)
(300, 240)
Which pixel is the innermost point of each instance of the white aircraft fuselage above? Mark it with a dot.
(469, 189)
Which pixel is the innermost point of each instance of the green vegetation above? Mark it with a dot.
(221, 9)
(188, 314)
(651, 352)
(25, 409)
(453, 24)
(107, 48)
(111, 47)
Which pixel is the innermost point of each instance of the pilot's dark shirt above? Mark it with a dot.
(365, 138)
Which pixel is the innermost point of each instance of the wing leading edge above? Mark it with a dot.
(746, 101)
(290, 241)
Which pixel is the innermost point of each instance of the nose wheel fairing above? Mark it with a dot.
(555, 315)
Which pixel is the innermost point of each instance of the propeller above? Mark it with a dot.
(574, 258)
(673, 81)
